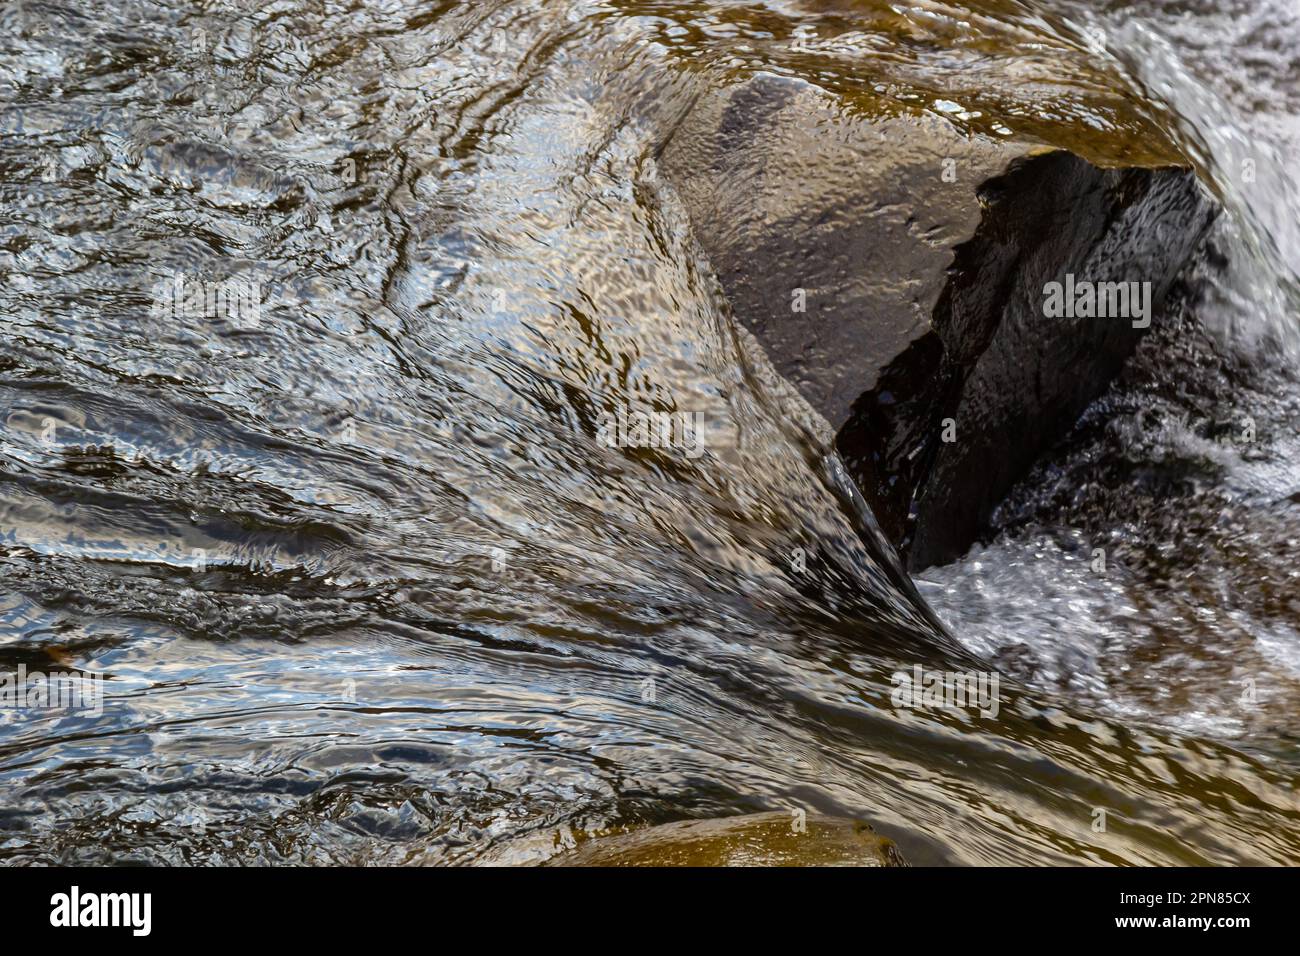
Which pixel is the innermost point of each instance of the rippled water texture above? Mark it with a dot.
(363, 582)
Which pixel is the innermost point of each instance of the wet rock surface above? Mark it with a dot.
(894, 268)
(363, 583)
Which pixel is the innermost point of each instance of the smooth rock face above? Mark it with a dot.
(919, 255)
(759, 839)
(787, 191)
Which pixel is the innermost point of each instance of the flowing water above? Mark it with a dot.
(366, 587)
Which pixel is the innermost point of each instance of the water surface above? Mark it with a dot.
(364, 584)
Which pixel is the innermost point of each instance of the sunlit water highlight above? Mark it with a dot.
(365, 585)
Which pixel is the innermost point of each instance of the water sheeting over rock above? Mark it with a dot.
(894, 267)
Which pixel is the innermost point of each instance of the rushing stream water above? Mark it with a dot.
(366, 587)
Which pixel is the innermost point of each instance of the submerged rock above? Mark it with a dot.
(759, 839)
(897, 270)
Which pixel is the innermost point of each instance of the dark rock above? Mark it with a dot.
(922, 254)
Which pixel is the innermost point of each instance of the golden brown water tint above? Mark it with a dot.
(1002, 69)
(757, 839)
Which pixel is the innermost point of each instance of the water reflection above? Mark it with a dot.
(365, 584)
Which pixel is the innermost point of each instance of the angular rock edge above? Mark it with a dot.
(922, 256)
